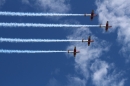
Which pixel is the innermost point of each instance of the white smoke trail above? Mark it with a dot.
(39, 14)
(37, 40)
(43, 25)
(30, 51)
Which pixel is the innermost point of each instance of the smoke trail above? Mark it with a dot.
(39, 14)
(30, 51)
(36, 40)
(43, 25)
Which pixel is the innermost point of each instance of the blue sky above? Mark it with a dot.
(104, 63)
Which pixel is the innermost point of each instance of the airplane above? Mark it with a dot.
(89, 40)
(74, 51)
(92, 15)
(106, 27)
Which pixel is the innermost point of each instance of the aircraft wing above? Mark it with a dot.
(88, 43)
(74, 54)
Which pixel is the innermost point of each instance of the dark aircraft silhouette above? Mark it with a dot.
(106, 27)
(74, 51)
(92, 15)
(89, 40)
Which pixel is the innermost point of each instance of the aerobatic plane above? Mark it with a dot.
(92, 15)
(74, 51)
(89, 40)
(107, 26)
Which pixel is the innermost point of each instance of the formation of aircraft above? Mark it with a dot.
(106, 26)
(74, 51)
(92, 15)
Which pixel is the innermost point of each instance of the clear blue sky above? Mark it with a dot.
(104, 63)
